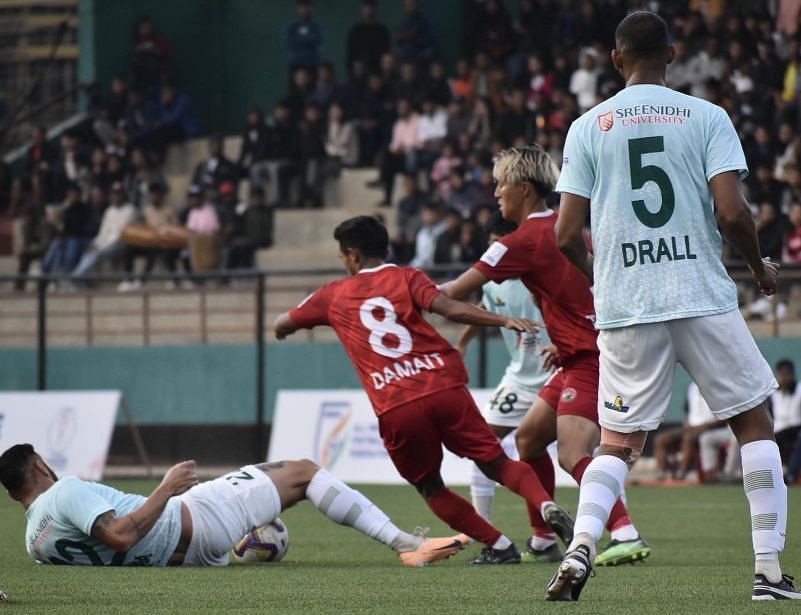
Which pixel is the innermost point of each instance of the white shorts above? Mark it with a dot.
(508, 405)
(224, 510)
(638, 365)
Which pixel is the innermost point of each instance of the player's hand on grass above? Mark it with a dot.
(523, 325)
(181, 477)
(767, 278)
(550, 357)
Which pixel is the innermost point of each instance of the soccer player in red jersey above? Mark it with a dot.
(566, 410)
(416, 381)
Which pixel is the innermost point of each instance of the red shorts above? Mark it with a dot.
(574, 389)
(414, 433)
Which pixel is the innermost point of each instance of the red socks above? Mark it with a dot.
(459, 514)
(543, 468)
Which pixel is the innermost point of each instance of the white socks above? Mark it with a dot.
(767, 498)
(601, 486)
(482, 489)
(627, 532)
(346, 506)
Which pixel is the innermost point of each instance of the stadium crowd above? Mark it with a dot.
(428, 131)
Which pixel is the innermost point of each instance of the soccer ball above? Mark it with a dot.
(268, 543)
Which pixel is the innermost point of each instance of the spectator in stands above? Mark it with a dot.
(516, 121)
(432, 226)
(483, 190)
(764, 187)
(460, 195)
(432, 127)
(140, 121)
(108, 244)
(252, 229)
(436, 85)
(175, 120)
(40, 155)
(98, 167)
(414, 38)
(794, 237)
(255, 146)
(216, 169)
(159, 216)
(341, 143)
(312, 158)
(140, 176)
(72, 221)
(786, 407)
(480, 127)
(710, 445)
(282, 153)
(458, 120)
(355, 89)
(368, 39)
(401, 155)
(112, 112)
(371, 118)
(493, 33)
(462, 83)
(409, 218)
(326, 91)
(303, 38)
(203, 217)
(151, 58)
(584, 81)
(409, 85)
(441, 170)
(71, 164)
(36, 234)
(300, 92)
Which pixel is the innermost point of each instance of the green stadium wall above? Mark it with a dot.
(217, 384)
(230, 54)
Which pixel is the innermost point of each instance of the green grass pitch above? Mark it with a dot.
(701, 563)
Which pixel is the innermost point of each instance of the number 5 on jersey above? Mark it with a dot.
(385, 329)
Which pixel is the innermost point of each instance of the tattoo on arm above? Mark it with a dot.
(102, 523)
(268, 467)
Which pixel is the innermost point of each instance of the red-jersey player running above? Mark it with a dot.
(566, 410)
(416, 383)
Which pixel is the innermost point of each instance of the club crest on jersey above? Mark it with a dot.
(616, 405)
(606, 121)
(568, 395)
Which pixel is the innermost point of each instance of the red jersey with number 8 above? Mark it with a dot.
(377, 315)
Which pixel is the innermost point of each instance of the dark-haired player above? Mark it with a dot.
(662, 171)
(566, 408)
(183, 523)
(416, 380)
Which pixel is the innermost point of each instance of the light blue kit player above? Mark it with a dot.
(660, 174)
(183, 522)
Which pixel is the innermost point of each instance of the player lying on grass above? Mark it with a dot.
(566, 408)
(184, 522)
(416, 380)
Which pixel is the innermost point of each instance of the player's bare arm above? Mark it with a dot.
(284, 326)
(737, 224)
(573, 211)
(467, 335)
(461, 312)
(122, 533)
(465, 285)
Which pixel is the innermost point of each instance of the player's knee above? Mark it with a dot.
(528, 445)
(429, 486)
(627, 454)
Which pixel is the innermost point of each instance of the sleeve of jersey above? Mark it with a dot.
(724, 152)
(422, 288)
(313, 310)
(578, 171)
(80, 505)
(503, 260)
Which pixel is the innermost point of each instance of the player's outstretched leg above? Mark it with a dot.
(298, 480)
(461, 516)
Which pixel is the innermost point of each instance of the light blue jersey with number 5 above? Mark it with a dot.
(644, 158)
